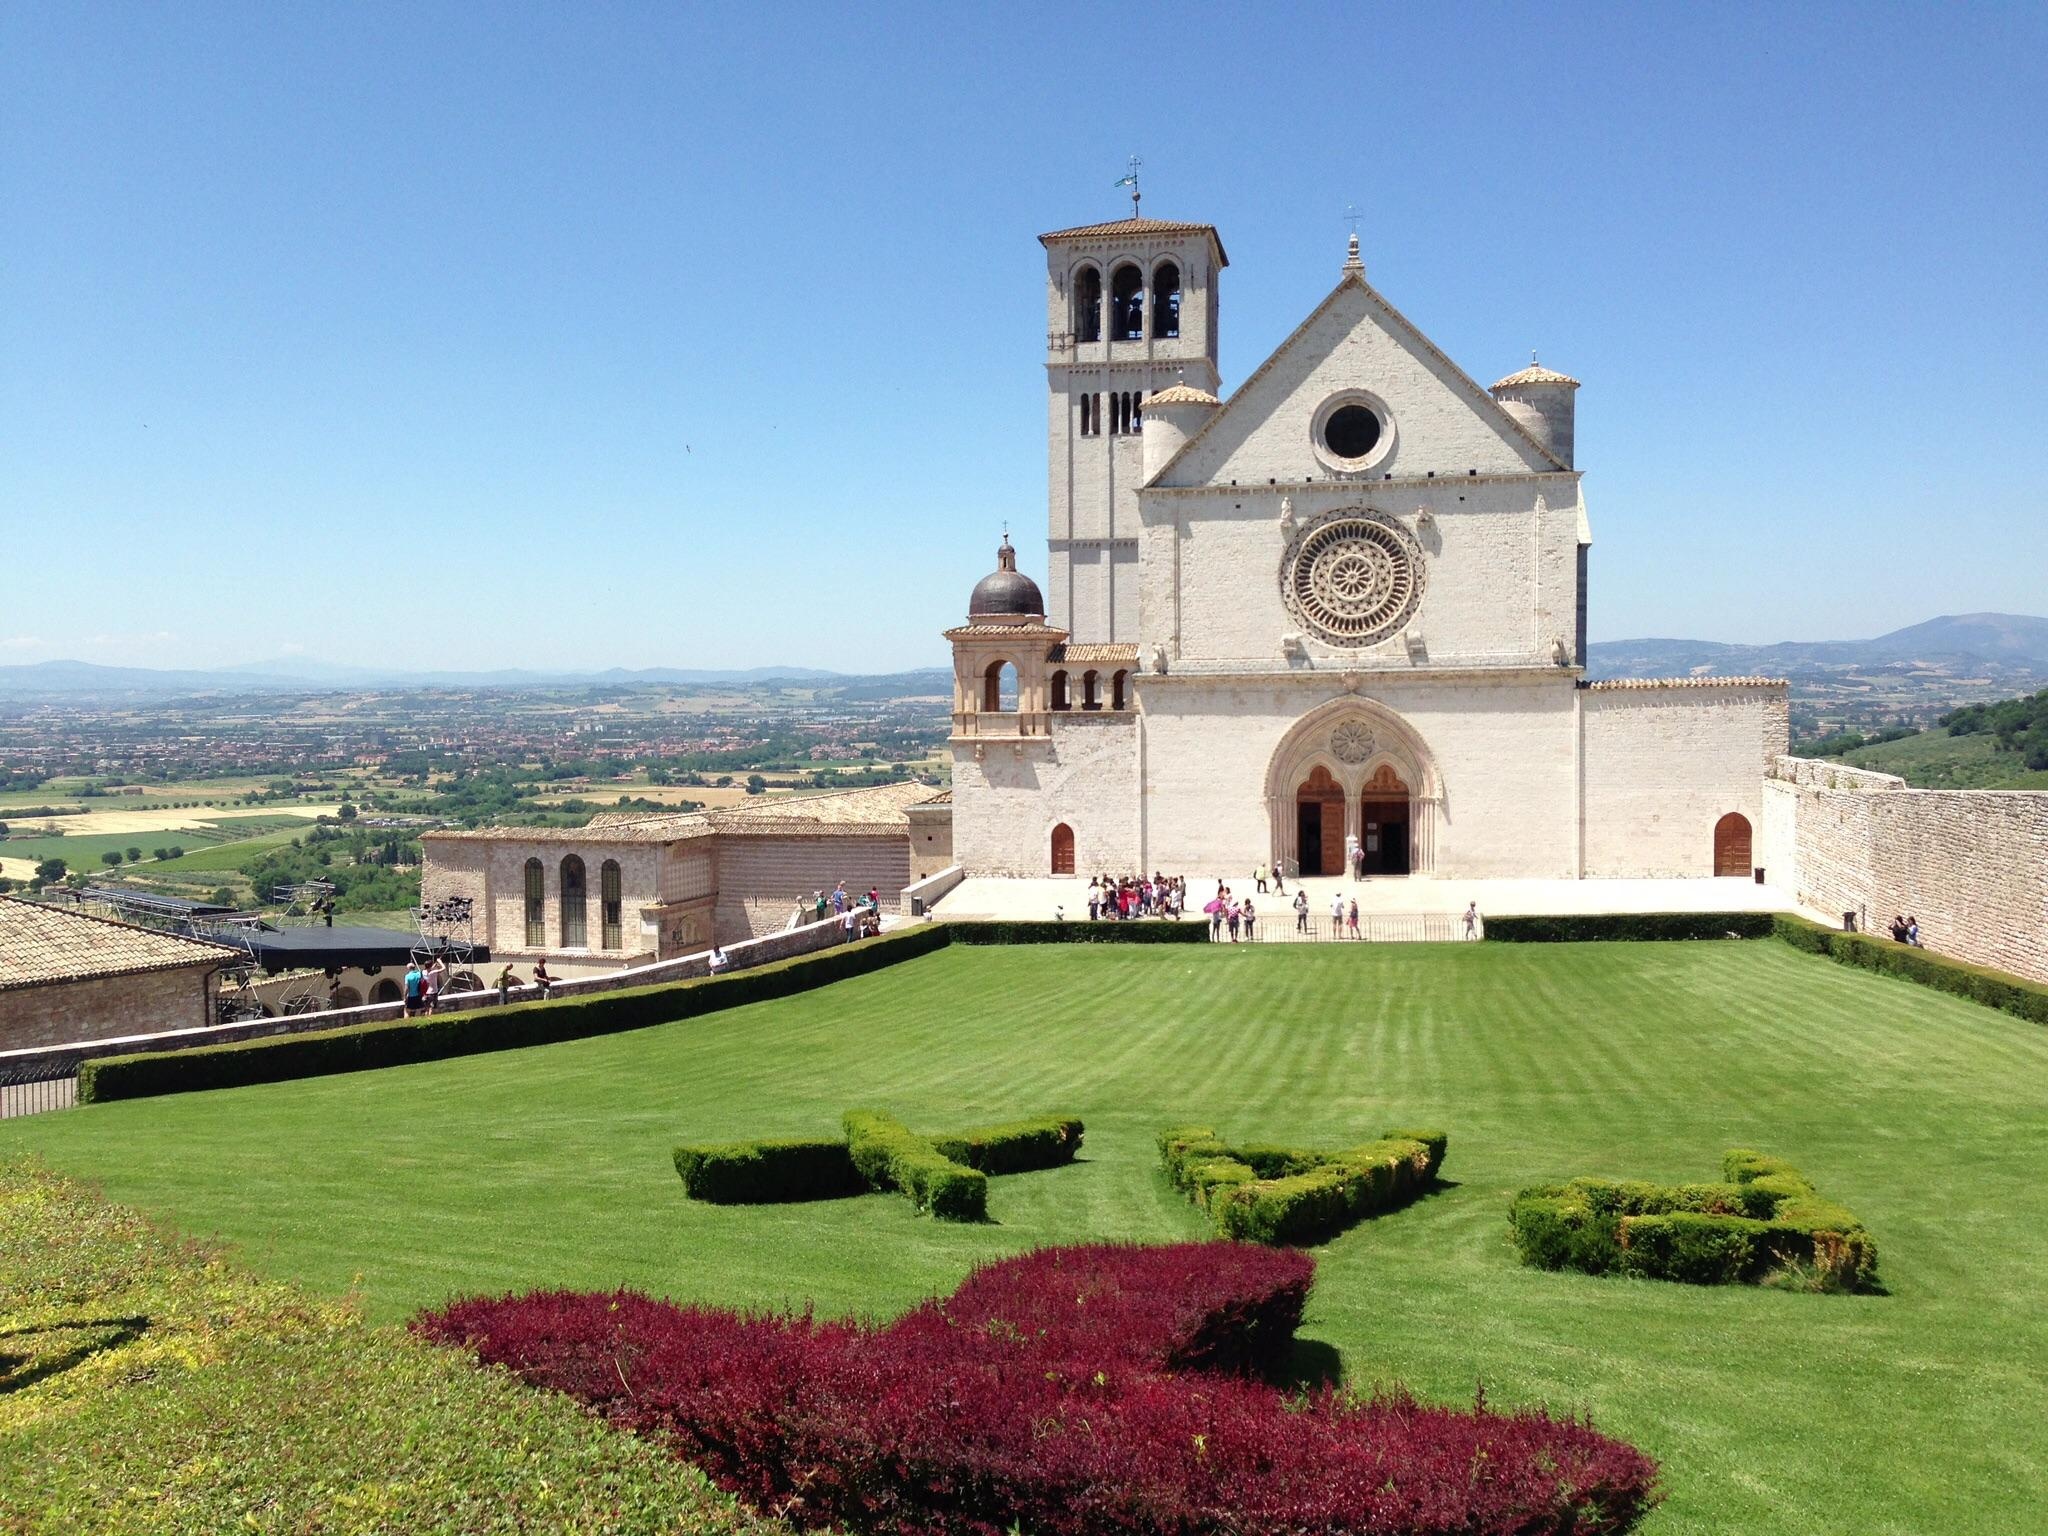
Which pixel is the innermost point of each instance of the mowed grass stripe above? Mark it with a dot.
(1922, 1410)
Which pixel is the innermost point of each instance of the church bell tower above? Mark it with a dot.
(1130, 310)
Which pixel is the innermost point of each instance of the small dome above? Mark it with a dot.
(1182, 394)
(1006, 592)
(1536, 373)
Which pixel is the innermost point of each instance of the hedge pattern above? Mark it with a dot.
(946, 1175)
(889, 1155)
(1766, 1222)
(1274, 1194)
(280, 1058)
(766, 1172)
(1978, 983)
(1092, 1391)
(1584, 927)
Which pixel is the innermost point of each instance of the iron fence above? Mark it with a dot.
(32, 1087)
(1283, 927)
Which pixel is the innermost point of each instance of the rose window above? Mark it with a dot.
(1353, 581)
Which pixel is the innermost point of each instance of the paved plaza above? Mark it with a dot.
(990, 898)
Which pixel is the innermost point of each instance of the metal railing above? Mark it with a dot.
(45, 1082)
(1281, 927)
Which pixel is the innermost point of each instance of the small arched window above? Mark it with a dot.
(1166, 299)
(1117, 697)
(610, 902)
(999, 687)
(1088, 305)
(1059, 691)
(575, 916)
(1091, 690)
(1127, 304)
(536, 905)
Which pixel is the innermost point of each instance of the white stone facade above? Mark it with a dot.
(1360, 620)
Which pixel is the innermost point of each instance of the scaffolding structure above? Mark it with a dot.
(447, 932)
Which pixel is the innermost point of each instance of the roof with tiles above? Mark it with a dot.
(42, 944)
(833, 813)
(1181, 394)
(1623, 684)
(1117, 227)
(1030, 631)
(1535, 373)
(1072, 652)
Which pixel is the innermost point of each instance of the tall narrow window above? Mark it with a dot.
(999, 687)
(1166, 299)
(1059, 691)
(536, 905)
(1127, 304)
(610, 899)
(1088, 428)
(575, 917)
(1088, 305)
(1091, 684)
(1118, 699)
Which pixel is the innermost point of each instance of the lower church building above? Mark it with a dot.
(1335, 621)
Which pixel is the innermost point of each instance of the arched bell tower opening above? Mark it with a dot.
(1352, 788)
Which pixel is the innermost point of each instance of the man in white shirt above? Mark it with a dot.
(1337, 916)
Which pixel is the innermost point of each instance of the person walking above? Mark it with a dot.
(1250, 918)
(1300, 910)
(1353, 917)
(506, 982)
(1259, 879)
(542, 979)
(1279, 879)
(1472, 920)
(1337, 915)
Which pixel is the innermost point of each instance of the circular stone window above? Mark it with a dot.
(1352, 579)
(1352, 431)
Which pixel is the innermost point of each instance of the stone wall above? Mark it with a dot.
(63, 1013)
(1663, 765)
(931, 838)
(1007, 801)
(761, 879)
(491, 872)
(1972, 865)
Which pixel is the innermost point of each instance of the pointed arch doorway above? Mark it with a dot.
(1383, 820)
(1319, 823)
(1063, 849)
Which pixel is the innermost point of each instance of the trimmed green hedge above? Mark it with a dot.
(1870, 952)
(889, 1155)
(363, 1047)
(1580, 928)
(764, 1172)
(1148, 930)
(1766, 1223)
(1022, 1146)
(1273, 1194)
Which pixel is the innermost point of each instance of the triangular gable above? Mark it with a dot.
(1262, 429)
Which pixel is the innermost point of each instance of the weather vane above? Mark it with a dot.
(1130, 179)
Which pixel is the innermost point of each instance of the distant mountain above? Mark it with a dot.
(1909, 676)
(2000, 642)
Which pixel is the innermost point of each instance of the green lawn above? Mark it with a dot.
(1922, 1410)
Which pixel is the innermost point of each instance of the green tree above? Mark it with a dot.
(159, 854)
(51, 869)
(111, 858)
(347, 812)
(134, 855)
(755, 784)
(222, 896)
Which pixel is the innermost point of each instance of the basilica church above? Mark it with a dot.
(1334, 619)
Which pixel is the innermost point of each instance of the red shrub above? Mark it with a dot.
(1072, 1391)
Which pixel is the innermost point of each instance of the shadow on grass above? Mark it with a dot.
(64, 1345)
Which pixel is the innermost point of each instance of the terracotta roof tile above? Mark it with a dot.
(1073, 652)
(40, 944)
(1535, 373)
(1136, 227)
(1621, 684)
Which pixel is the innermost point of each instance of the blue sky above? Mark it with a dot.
(590, 335)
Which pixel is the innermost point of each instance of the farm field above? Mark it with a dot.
(212, 842)
(1937, 760)
(1918, 1410)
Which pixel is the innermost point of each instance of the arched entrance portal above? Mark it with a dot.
(1383, 820)
(1732, 845)
(1319, 824)
(1063, 849)
(1354, 774)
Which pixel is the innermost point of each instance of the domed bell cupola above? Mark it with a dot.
(1006, 595)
